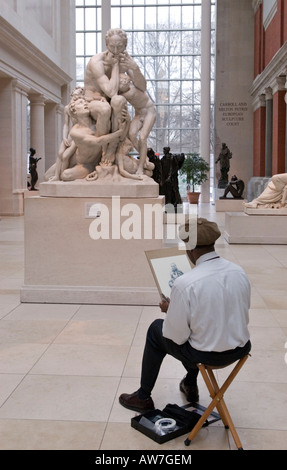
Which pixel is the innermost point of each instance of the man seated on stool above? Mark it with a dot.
(206, 319)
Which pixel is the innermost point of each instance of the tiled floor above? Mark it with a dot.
(62, 367)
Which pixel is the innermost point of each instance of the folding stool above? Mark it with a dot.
(216, 394)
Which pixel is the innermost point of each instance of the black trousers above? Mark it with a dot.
(157, 347)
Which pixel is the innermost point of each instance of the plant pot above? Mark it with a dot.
(192, 197)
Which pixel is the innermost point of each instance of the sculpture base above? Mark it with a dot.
(102, 187)
(229, 205)
(241, 228)
(255, 211)
(91, 250)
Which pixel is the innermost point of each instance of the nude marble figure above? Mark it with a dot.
(98, 129)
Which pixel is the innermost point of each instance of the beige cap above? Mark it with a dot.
(207, 233)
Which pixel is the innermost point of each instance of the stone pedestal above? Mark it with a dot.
(229, 205)
(123, 187)
(91, 250)
(242, 228)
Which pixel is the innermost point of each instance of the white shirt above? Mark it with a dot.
(209, 306)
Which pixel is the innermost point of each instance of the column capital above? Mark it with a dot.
(280, 84)
(20, 87)
(268, 93)
(37, 99)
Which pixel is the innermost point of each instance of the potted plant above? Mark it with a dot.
(194, 172)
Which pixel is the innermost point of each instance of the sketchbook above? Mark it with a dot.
(166, 266)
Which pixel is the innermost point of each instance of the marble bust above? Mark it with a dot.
(99, 133)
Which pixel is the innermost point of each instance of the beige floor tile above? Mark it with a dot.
(82, 359)
(102, 325)
(30, 331)
(61, 398)
(275, 300)
(8, 383)
(262, 439)
(43, 312)
(262, 317)
(10, 300)
(267, 338)
(19, 358)
(50, 435)
(280, 316)
(256, 300)
(258, 406)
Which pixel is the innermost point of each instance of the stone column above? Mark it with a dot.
(13, 152)
(259, 141)
(279, 126)
(286, 126)
(19, 152)
(19, 155)
(37, 130)
(269, 132)
(52, 128)
(205, 92)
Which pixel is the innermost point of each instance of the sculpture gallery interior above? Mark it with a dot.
(113, 113)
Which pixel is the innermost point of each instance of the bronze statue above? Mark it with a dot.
(157, 172)
(171, 163)
(235, 187)
(33, 169)
(224, 157)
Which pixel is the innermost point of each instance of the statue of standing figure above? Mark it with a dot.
(33, 169)
(171, 163)
(224, 159)
(102, 132)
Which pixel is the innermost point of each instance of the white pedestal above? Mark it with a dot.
(229, 205)
(242, 228)
(123, 187)
(64, 263)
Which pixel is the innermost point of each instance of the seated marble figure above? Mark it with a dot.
(274, 196)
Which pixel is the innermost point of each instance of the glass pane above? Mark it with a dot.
(163, 16)
(115, 18)
(80, 44)
(139, 18)
(90, 19)
(91, 43)
(80, 69)
(80, 25)
(127, 18)
(175, 16)
(175, 67)
(151, 15)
